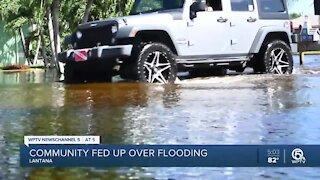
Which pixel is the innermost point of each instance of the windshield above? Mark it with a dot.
(145, 6)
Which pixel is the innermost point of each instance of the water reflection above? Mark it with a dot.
(28, 76)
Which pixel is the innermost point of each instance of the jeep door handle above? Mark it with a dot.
(251, 20)
(222, 20)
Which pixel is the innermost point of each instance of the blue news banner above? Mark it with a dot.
(169, 156)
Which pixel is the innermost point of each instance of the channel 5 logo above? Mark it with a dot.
(298, 156)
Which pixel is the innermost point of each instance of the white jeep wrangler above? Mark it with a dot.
(161, 37)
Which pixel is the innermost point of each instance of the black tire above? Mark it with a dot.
(70, 75)
(203, 72)
(150, 69)
(128, 70)
(267, 61)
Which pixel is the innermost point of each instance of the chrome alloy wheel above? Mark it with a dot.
(157, 67)
(279, 62)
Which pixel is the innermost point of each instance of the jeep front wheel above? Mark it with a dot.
(156, 64)
(276, 58)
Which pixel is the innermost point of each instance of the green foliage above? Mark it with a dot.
(110, 8)
(295, 15)
(21, 12)
(18, 13)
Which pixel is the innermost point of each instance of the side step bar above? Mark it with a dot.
(212, 62)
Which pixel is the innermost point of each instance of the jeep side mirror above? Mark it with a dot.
(197, 6)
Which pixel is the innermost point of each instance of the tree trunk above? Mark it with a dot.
(87, 11)
(51, 37)
(56, 30)
(43, 49)
(24, 46)
(17, 48)
(35, 60)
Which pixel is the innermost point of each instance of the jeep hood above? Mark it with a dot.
(148, 18)
(156, 17)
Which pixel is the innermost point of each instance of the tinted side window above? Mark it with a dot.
(216, 5)
(147, 5)
(242, 5)
(272, 5)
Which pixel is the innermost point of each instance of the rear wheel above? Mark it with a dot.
(156, 64)
(274, 58)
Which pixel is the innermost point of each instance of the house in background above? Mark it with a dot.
(313, 21)
(11, 49)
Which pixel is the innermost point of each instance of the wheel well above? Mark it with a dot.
(277, 36)
(156, 36)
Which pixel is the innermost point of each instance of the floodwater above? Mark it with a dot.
(236, 109)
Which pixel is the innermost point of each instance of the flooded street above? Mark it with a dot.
(236, 109)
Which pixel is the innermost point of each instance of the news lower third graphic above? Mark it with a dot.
(86, 151)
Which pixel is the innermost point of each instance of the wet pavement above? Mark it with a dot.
(236, 109)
